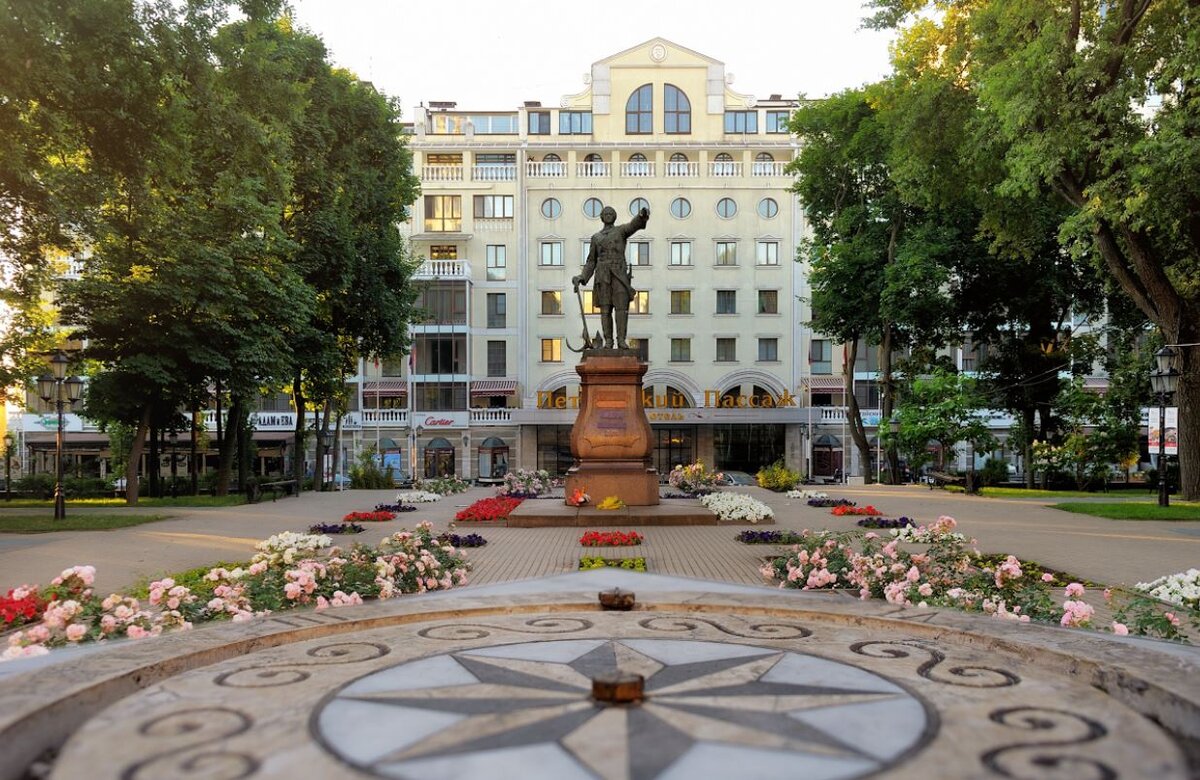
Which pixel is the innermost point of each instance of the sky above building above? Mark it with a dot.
(496, 55)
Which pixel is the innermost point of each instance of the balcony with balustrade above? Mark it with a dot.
(441, 173)
(546, 170)
(637, 169)
(593, 170)
(445, 269)
(494, 172)
(726, 169)
(491, 417)
(682, 170)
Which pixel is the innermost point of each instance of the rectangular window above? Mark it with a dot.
(768, 253)
(443, 213)
(866, 392)
(589, 303)
(820, 356)
(866, 357)
(539, 123)
(497, 310)
(551, 253)
(493, 206)
(681, 253)
(726, 350)
(642, 347)
(681, 301)
(439, 396)
(726, 253)
(551, 350)
(681, 350)
(497, 358)
(443, 252)
(741, 121)
(575, 122)
(444, 159)
(638, 252)
(587, 247)
(768, 350)
(551, 302)
(726, 301)
(777, 121)
(440, 354)
(768, 301)
(640, 303)
(497, 262)
(493, 124)
(444, 302)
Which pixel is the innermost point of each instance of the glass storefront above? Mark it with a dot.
(747, 447)
(673, 447)
(554, 449)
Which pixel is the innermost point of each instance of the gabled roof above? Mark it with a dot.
(651, 42)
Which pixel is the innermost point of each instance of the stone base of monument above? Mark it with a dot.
(551, 514)
(632, 482)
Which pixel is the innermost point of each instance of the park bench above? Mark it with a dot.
(285, 486)
(941, 479)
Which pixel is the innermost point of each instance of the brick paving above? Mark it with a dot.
(1094, 548)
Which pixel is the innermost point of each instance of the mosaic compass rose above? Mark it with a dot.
(711, 710)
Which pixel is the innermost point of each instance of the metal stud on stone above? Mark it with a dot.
(617, 599)
(618, 688)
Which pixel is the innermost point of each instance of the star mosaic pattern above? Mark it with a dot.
(711, 710)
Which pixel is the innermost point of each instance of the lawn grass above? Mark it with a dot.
(1007, 492)
(39, 524)
(1130, 510)
(38, 503)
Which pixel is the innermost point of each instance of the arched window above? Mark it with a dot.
(677, 110)
(593, 165)
(764, 164)
(638, 165)
(639, 111)
(677, 165)
(552, 165)
(723, 164)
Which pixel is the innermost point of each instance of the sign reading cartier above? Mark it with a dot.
(712, 400)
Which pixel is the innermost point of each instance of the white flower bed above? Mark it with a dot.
(417, 497)
(737, 506)
(289, 546)
(806, 494)
(1182, 590)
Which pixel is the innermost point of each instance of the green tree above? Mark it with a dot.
(1096, 102)
(943, 407)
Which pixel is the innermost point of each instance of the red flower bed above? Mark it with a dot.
(23, 607)
(488, 509)
(839, 511)
(369, 517)
(610, 539)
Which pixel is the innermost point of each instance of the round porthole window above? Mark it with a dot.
(551, 208)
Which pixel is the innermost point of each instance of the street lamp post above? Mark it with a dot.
(894, 428)
(174, 437)
(60, 389)
(9, 441)
(326, 443)
(1163, 382)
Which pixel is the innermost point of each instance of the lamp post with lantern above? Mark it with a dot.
(1163, 381)
(174, 438)
(9, 442)
(60, 389)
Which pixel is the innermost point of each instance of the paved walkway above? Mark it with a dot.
(1107, 551)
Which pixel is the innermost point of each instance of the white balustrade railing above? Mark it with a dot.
(637, 169)
(491, 224)
(725, 168)
(494, 172)
(590, 170)
(441, 173)
(385, 417)
(444, 269)
(546, 170)
(491, 416)
(683, 169)
(767, 168)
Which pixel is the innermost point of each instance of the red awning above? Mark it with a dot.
(494, 387)
(385, 388)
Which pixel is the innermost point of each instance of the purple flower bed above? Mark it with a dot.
(825, 503)
(468, 540)
(887, 522)
(401, 507)
(769, 537)
(336, 528)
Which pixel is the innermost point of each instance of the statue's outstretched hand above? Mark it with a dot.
(576, 281)
(644, 213)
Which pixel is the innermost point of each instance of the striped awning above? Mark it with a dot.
(494, 387)
(825, 382)
(386, 388)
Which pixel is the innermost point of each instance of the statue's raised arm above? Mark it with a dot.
(613, 289)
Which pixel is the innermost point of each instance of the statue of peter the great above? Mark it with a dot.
(613, 287)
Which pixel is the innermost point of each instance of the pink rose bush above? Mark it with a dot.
(289, 571)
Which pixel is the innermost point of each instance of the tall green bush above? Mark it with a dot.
(777, 477)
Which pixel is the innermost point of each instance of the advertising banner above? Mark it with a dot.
(1172, 430)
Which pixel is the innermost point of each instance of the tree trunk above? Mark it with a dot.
(298, 444)
(152, 464)
(135, 457)
(854, 414)
(1187, 398)
(1027, 422)
(227, 446)
(243, 451)
(337, 445)
(194, 435)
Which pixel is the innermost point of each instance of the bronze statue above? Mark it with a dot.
(613, 288)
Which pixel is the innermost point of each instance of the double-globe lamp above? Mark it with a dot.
(1163, 381)
(58, 388)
